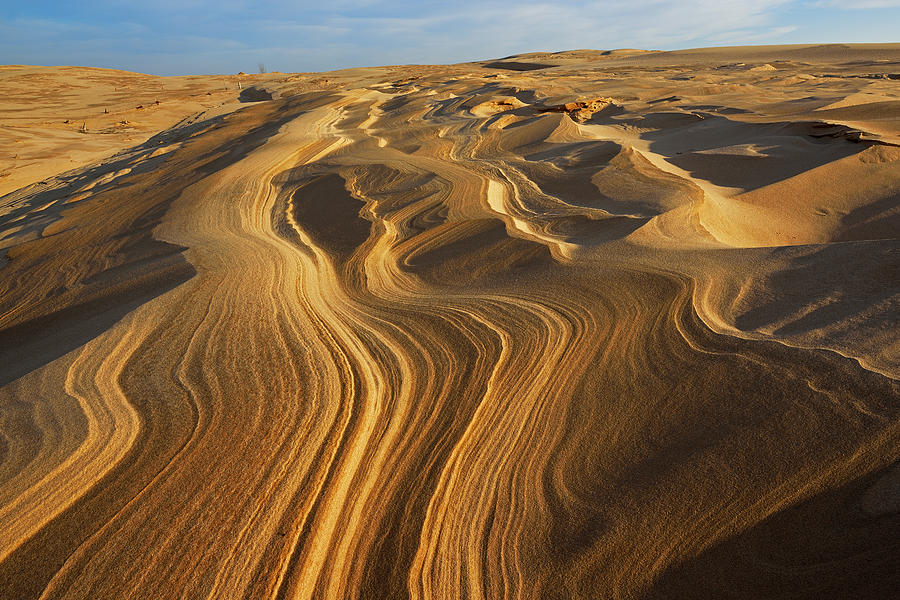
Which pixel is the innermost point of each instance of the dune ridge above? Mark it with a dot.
(558, 325)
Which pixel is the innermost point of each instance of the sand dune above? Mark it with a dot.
(592, 324)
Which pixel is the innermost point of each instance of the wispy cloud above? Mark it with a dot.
(486, 29)
(859, 4)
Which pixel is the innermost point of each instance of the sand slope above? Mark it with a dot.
(575, 325)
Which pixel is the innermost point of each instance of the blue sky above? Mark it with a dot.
(172, 37)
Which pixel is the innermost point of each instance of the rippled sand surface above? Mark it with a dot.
(576, 325)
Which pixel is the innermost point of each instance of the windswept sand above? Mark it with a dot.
(576, 325)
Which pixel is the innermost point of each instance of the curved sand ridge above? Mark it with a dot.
(430, 333)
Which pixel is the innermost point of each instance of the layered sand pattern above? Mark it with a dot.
(560, 325)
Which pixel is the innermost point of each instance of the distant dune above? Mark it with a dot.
(584, 324)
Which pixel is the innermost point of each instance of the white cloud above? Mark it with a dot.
(469, 30)
(743, 36)
(859, 4)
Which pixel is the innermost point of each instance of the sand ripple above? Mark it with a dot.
(590, 328)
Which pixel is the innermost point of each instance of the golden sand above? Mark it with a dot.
(575, 325)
